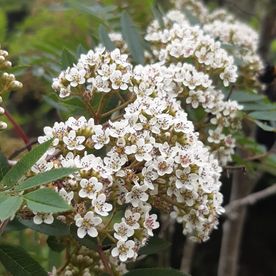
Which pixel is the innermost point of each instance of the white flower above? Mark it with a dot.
(137, 195)
(151, 223)
(76, 76)
(90, 188)
(68, 196)
(100, 206)
(74, 142)
(163, 165)
(122, 231)
(100, 137)
(86, 225)
(141, 150)
(132, 219)
(43, 218)
(42, 165)
(125, 250)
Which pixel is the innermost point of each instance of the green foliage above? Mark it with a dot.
(44, 178)
(9, 205)
(57, 228)
(154, 246)
(46, 201)
(104, 38)
(3, 25)
(56, 244)
(12, 177)
(133, 38)
(67, 59)
(18, 262)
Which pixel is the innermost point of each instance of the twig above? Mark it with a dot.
(17, 152)
(110, 112)
(18, 129)
(251, 199)
(105, 261)
(3, 226)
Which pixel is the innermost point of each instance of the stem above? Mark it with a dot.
(18, 129)
(17, 152)
(105, 261)
(110, 112)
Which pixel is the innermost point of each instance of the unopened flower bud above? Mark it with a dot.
(3, 125)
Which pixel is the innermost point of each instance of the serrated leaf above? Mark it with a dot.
(87, 241)
(57, 228)
(4, 165)
(133, 38)
(18, 262)
(105, 39)
(155, 271)
(45, 178)
(56, 244)
(9, 205)
(155, 245)
(264, 115)
(46, 201)
(25, 164)
(67, 59)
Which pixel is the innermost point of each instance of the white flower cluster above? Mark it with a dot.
(152, 158)
(98, 71)
(197, 90)
(179, 41)
(239, 38)
(7, 81)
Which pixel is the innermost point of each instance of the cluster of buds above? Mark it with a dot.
(7, 81)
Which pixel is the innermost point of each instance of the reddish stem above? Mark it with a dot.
(19, 131)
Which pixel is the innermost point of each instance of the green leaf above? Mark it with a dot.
(80, 50)
(242, 96)
(56, 244)
(254, 106)
(18, 262)
(133, 38)
(105, 39)
(264, 115)
(25, 164)
(57, 228)
(265, 126)
(46, 201)
(87, 241)
(155, 245)
(155, 272)
(4, 165)
(14, 225)
(44, 178)
(67, 59)
(157, 12)
(9, 205)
